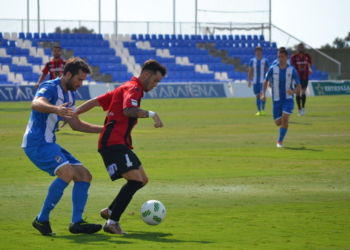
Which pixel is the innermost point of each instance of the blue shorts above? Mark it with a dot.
(257, 88)
(278, 107)
(50, 157)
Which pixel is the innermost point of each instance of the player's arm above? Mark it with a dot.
(41, 104)
(78, 125)
(263, 92)
(295, 78)
(41, 79)
(86, 106)
(266, 82)
(310, 65)
(136, 112)
(250, 74)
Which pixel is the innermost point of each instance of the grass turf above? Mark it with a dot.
(215, 167)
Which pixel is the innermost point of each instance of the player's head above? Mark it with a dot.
(282, 55)
(152, 73)
(56, 51)
(258, 51)
(301, 48)
(75, 72)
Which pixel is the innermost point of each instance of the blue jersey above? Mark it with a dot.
(282, 80)
(259, 69)
(42, 126)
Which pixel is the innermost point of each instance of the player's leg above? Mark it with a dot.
(262, 103)
(298, 101)
(49, 158)
(257, 90)
(277, 112)
(303, 95)
(287, 110)
(82, 179)
(122, 164)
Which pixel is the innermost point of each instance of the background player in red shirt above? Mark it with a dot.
(302, 62)
(115, 144)
(54, 67)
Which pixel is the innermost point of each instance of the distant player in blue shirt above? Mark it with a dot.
(55, 101)
(282, 76)
(257, 69)
(289, 62)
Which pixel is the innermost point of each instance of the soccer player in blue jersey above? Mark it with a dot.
(55, 101)
(257, 69)
(282, 76)
(289, 62)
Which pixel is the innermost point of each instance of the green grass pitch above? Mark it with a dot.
(214, 166)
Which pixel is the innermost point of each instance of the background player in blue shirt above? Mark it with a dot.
(257, 69)
(282, 76)
(55, 101)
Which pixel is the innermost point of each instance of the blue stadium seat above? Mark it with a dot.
(160, 37)
(38, 61)
(20, 35)
(218, 38)
(4, 43)
(140, 37)
(147, 37)
(154, 37)
(134, 37)
(29, 36)
(79, 36)
(93, 36)
(57, 36)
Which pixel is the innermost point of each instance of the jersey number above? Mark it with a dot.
(128, 162)
(112, 169)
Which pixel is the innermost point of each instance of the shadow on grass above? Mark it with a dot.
(159, 237)
(146, 236)
(300, 123)
(303, 148)
(92, 239)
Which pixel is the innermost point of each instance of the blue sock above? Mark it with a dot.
(79, 199)
(258, 103)
(283, 132)
(54, 194)
(263, 104)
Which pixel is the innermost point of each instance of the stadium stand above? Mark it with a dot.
(115, 58)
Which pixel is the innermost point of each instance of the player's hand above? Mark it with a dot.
(64, 123)
(249, 84)
(290, 91)
(65, 112)
(310, 71)
(270, 85)
(262, 97)
(36, 86)
(158, 121)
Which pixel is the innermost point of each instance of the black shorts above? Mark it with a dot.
(304, 83)
(119, 159)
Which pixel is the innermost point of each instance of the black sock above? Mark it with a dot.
(303, 100)
(297, 98)
(123, 199)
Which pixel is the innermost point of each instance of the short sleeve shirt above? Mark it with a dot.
(55, 68)
(117, 127)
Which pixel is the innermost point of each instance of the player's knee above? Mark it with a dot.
(145, 180)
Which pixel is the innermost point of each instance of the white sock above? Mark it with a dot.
(109, 221)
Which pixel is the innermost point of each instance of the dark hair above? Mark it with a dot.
(153, 66)
(56, 47)
(258, 47)
(301, 44)
(73, 65)
(283, 50)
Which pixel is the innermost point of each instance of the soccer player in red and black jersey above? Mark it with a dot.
(115, 144)
(302, 62)
(55, 67)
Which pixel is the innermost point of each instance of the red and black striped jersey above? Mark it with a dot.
(54, 67)
(302, 62)
(117, 127)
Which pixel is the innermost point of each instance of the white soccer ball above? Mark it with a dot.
(153, 212)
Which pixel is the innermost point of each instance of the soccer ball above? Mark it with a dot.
(153, 212)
